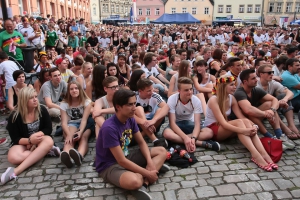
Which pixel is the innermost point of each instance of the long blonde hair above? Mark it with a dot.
(82, 95)
(24, 95)
(221, 92)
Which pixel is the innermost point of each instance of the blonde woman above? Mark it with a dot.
(125, 40)
(29, 128)
(219, 107)
(75, 110)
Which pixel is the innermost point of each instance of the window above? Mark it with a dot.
(148, 11)
(105, 8)
(112, 8)
(140, 11)
(21, 6)
(117, 8)
(249, 9)
(206, 11)
(279, 7)
(297, 7)
(126, 9)
(183, 10)
(271, 7)
(173, 10)
(194, 11)
(220, 8)
(157, 11)
(257, 8)
(242, 9)
(122, 9)
(94, 11)
(228, 8)
(288, 7)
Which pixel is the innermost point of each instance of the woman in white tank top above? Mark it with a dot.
(219, 108)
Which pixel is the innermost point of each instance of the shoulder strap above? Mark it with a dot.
(36, 66)
(14, 89)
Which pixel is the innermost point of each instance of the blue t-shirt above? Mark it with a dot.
(113, 133)
(289, 80)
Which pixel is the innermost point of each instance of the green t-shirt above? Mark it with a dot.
(51, 38)
(83, 39)
(73, 42)
(6, 39)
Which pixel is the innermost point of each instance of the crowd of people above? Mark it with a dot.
(120, 82)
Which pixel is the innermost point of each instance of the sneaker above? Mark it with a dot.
(161, 143)
(65, 159)
(141, 194)
(164, 168)
(284, 148)
(76, 156)
(3, 141)
(213, 145)
(8, 175)
(56, 151)
(287, 142)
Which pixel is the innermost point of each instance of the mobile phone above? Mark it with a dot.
(75, 136)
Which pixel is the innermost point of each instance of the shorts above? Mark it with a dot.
(113, 173)
(186, 126)
(75, 124)
(6, 95)
(215, 128)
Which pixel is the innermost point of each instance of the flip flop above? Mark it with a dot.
(292, 135)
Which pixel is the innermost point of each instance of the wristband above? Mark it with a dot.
(29, 141)
(194, 138)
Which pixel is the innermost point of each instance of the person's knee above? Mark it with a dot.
(48, 141)
(168, 134)
(159, 150)
(239, 123)
(136, 181)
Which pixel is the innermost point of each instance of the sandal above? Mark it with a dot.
(273, 165)
(298, 134)
(292, 135)
(267, 168)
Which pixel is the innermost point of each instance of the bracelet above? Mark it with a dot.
(29, 141)
(193, 137)
(255, 126)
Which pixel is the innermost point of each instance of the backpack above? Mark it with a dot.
(180, 162)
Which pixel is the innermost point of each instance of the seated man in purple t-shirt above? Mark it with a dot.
(135, 169)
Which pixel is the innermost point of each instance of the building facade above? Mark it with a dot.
(281, 12)
(102, 9)
(248, 11)
(200, 9)
(149, 10)
(56, 8)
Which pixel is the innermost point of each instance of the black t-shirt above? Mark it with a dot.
(92, 41)
(256, 95)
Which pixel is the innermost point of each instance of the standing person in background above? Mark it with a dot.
(26, 30)
(10, 40)
(73, 41)
(51, 37)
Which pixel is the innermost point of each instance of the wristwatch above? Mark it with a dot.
(193, 137)
(273, 109)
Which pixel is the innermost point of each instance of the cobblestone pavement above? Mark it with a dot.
(226, 175)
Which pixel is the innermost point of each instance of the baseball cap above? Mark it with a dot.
(58, 61)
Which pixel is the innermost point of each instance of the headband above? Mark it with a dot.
(221, 81)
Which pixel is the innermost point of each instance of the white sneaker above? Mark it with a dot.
(287, 142)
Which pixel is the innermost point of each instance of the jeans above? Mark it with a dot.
(161, 89)
(186, 126)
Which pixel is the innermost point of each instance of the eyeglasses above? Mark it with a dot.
(270, 72)
(114, 87)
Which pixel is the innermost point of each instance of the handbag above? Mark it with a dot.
(273, 147)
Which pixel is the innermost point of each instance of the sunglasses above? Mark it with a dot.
(270, 72)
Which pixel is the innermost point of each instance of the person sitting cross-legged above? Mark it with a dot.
(184, 116)
(29, 127)
(128, 169)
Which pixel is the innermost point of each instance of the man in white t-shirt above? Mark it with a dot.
(7, 68)
(184, 110)
(104, 41)
(258, 37)
(151, 103)
(150, 61)
(26, 30)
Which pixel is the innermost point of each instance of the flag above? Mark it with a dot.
(131, 16)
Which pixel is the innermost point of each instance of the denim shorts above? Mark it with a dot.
(75, 124)
(186, 126)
